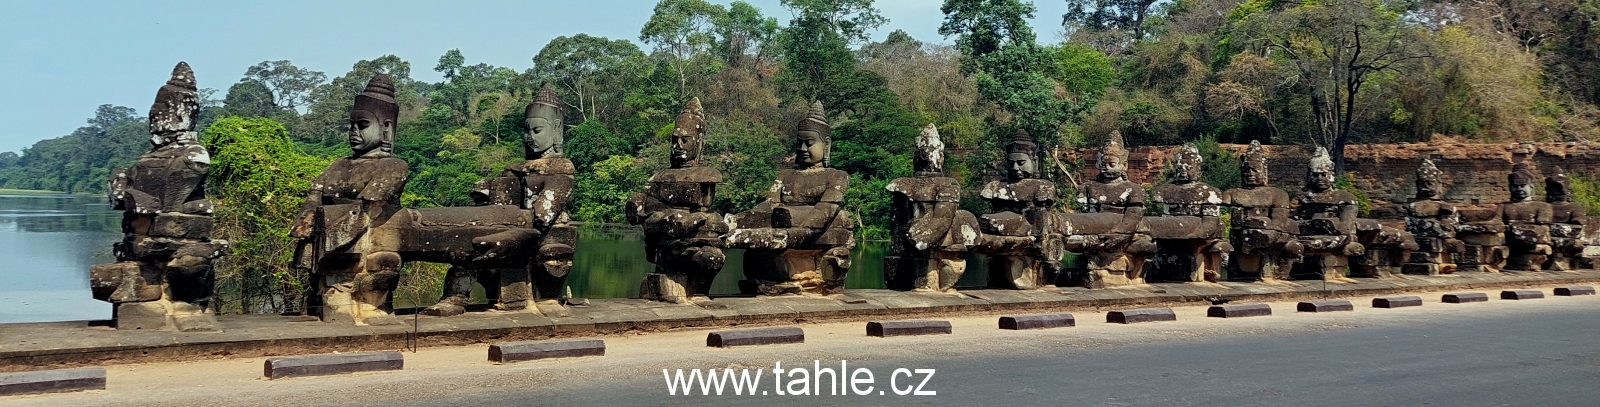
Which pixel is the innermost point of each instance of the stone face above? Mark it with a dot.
(1397, 302)
(332, 364)
(1133, 316)
(1325, 306)
(1239, 310)
(908, 327)
(682, 234)
(509, 352)
(1037, 321)
(799, 239)
(757, 336)
(52, 381)
(1574, 290)
(1521, 294)
(1461, 298)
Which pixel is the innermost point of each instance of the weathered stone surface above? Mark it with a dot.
(1397, 302)
(1462, 298)
(929, 234)
(1037, 321)
(682, 235)
(756, 336)
(1141, 315)
(332, 364)
(1574, 290)
(1325, 306)
(1239, 310)
(1521, 294)
(1262, 233)
(907, 327)
(52, 381)
(508, 352)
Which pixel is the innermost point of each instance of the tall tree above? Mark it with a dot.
(249, 98)
(853, 20)
(1101, 15)
(1011, 69)
(682, 30)
(291, 85)
(583, 65)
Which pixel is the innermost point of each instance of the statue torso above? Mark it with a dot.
(1020, 196)
(811, 186)
(1191, 199)
(353, 180)
(1117, 197)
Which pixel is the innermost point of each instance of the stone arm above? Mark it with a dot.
(305, 222)
(550, 200)
(1347, 219)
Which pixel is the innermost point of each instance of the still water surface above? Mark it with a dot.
(48, 242)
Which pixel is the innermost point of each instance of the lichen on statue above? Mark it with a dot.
(1327, 220)
(799, 239)
(682, 233)
(1262, 233)
(163, 278)
(1109, 231)
(1022, 236)
(1189, 235)
(929, 233)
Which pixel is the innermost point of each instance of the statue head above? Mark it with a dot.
(930, 153)
(1429, 186)
(688, 135)
(545, 133)
(1186, 166)
(1022, 159)
(372, 120)
(1521, 182)
(1557, 187)
(172, 116)
(812, 139)
(1113, 159)
(1253, 166)
(1319, 176)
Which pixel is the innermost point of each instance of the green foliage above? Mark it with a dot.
(601, 193)
(82, 161)
(257, 183)
(1586, 192)
(1219, 168)
(1347, 182)
(1083, 70)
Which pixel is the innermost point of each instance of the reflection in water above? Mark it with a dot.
(48, 242)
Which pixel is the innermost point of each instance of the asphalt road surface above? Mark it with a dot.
(1542, 352)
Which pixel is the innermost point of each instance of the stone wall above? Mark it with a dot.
(1476, 173)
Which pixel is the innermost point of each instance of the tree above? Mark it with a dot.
(1103, 15)
(743, 31)
(1335, 48)
(584, 64)
(291, 85)
(330, 103)
(249, 98)
(682, 30)
(1009, 66)
(853, 20)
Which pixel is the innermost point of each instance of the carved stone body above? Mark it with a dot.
(163, 277)
(1110, 233)
(354, 273)
(1189, 234)
(1262, 234)
(1327, 220)
(1386, 244)
(683, 238)
(1482, 233)
(929, 233)
(1433, 225)
(1569, 225)
(1527, 223)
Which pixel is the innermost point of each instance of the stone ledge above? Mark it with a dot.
(1397, 302)
(52, 381)
(1134, 316)
(884, 329)
(757, 336)
(1239, 310)
(1037, 321)
(1521, 294)
(332, 364)
(509, 352)
(1462, 298)
(1574, 290)
(1325, 306)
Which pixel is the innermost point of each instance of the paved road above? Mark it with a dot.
(1539, 352)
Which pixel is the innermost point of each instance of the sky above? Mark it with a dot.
(59, 60)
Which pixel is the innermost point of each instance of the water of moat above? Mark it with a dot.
(48, 242)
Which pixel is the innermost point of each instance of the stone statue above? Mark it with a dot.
(1108, 233)
(799, 239)
(929, 233)
(354, 273)
(542, 248)
(1022, 236)
(1433, 224)
(1189, 236)
(1262, 234)
(163, 278)
(1527, 223)
(1567, 222)
(1482, 233)
(1327, 220)
(683, 236)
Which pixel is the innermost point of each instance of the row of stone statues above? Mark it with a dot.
(517, 242)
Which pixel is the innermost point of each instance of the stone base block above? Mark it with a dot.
(1521, 294)
(1325, 306)
(148, 316)
(1574, 290)
(1462, 298)
(52, 381)
(904, 328)
(1037, 321)
(331, 364)
(1134, 316)
(757, 336)
(1239, 310)
(665, 287)
(510, 352)
(1397, 302)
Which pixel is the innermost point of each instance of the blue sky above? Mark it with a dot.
(61, 59)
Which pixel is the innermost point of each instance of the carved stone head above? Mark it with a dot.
(1253, 166)
(1186, 166)
(1113, 160)
(1557, 187)
(1022, 159)
(372, 120)
(813, 142)
(545, 133)
(1429, 184)
(689, 135)
(1521, 182)
(1319, 175)
(173, 114)
(930, 153)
